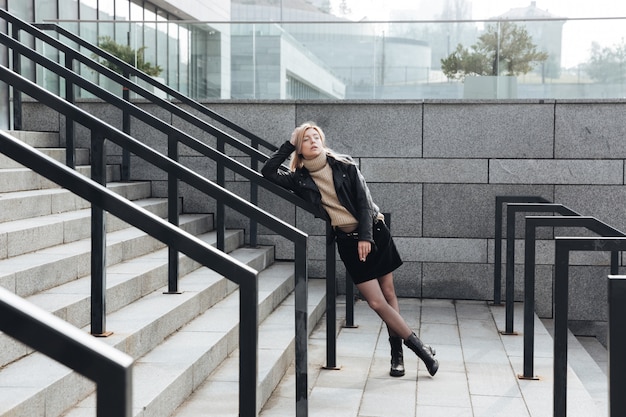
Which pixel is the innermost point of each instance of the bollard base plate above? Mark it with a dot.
(332, 368)
(529, 378)
(505, 333)
(105, 334)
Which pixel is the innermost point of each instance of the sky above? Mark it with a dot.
(485, 9)
(577, 35)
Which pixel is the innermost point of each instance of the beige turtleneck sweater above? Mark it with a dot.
(322, 174)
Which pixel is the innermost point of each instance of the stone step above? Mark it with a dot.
(218, 395)
(126, 282)
(203, 351)
(137, 329)
(41, 270)
(587, 369)
(596, 350)
(37, 139)
(19, 205)
(33, 234)
(58, 154)
(23, 179)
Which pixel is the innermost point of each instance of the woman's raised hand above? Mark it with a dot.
(294, 136)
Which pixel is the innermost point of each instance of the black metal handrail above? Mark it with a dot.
(72, 55)
(532, 222)
(196, 249)
(497, 263)
(181, 172)
(175, 136)
(109, 368)
(563, 247)
(511, 210)
(617, 344)
(128, 85)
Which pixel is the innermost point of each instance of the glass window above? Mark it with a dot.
(122, 16)
(47, 9)
(136, 15)
(149, 34)
(88, 30)
(173, 56)
(106, 10)
(162, 44)
(183, 54)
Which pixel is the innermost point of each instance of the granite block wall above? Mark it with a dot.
(436, 166)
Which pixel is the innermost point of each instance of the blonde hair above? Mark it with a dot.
(297, 138)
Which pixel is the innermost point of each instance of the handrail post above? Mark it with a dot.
(301, 325)
(125, 174)
(98, 240)
(331, 302)
(70, 147)
(248, 348)
(529, 299)
(220, 212)
(173, 216)
(510, 271)
(254, 198)
(497, 263)
(561, 285)
(349, 324)
(17, 94)
(617, 345)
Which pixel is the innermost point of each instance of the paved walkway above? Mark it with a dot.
(477, 374)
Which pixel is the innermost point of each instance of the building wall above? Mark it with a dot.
(437, 167)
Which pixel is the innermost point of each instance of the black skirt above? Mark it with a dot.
(383, 259)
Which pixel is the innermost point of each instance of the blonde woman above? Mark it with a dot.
(335, 186)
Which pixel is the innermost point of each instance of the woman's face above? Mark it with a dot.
(311, 145)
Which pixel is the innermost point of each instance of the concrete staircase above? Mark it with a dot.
(181, 343)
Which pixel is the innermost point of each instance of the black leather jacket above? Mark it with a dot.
(352, 191)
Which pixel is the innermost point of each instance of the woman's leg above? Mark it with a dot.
(395, 341)
(372, 291)
(389, 292)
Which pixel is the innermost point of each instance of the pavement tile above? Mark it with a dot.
(477, 377)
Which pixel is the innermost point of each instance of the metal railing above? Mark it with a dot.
(511, 210)
(532, 223)
(158, 228)
(248, 326)
(176, 136)
(612, 240)
(223, 138)
(563, 247)
(109, 368)
(497, 264)
(617, 344)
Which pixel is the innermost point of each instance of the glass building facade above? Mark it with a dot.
(296, 49)
(189, 54)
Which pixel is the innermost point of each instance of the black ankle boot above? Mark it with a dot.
(424, 352)
(397, 357)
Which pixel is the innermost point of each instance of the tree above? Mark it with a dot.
(128, 55)
(344, 9)
(503, 49)
(607, 64)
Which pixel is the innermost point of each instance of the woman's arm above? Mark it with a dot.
(271, 170)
